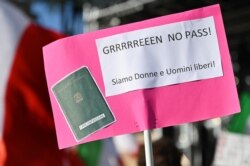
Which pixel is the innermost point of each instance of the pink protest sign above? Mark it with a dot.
(151, 74)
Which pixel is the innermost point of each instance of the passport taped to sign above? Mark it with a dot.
(82, 103)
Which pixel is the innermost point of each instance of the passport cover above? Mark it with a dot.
(82, 103)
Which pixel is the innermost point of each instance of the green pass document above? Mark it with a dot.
(82, 103)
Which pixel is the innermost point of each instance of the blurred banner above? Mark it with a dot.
(27, 126)
(232, 149)
(147, 106)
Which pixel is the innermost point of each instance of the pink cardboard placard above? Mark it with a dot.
(147, 108)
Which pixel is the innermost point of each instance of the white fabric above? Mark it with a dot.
(126, 144)
(12, 24)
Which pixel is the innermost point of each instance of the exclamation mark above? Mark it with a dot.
(214, 63)
(209, 31)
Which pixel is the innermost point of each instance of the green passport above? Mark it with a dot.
(82, 103)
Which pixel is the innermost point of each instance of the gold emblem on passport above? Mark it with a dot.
(78, 97)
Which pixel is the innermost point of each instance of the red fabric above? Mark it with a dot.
(2, 153)
(29, 131)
